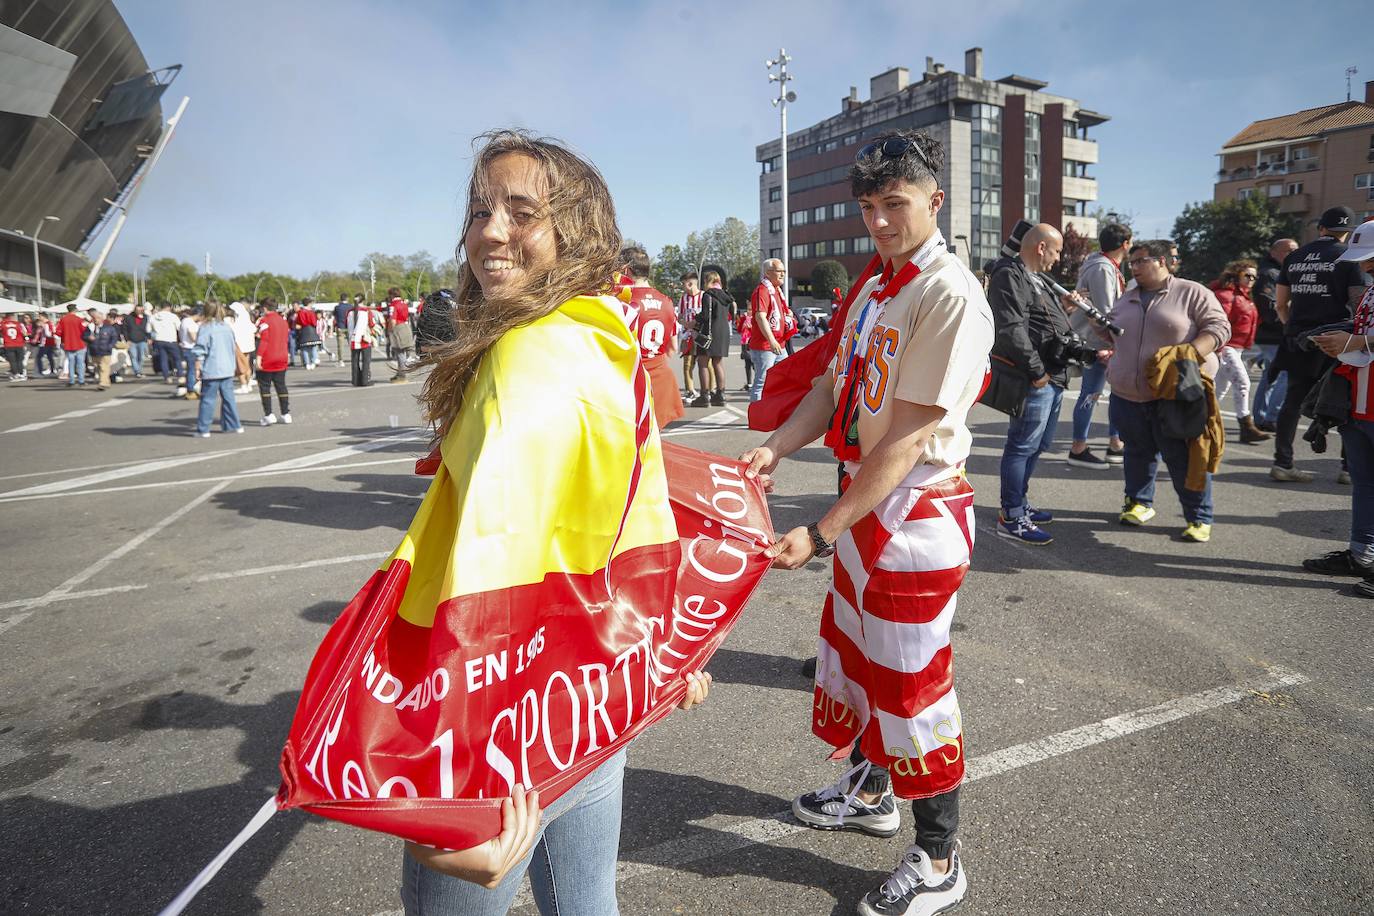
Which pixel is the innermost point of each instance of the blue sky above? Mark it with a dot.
(320, 130)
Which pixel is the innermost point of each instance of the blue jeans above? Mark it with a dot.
(166, 357)
(1269, 395)
(217, 389)
(1135, 421)
(1027, 436)
(76, 367)
(1358, 438)
(188, 360)
(137, 353)
(571, 868)
(1093, 381)
(762, 361)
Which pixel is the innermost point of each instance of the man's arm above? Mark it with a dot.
(807, 424)
(1010, 302)
(882, 471)
(1281, 302)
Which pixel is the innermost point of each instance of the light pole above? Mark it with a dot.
(37, 270)
(141, 294)
(785, 95)
(968, 252)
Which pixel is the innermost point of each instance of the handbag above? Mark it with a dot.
(1007, 388)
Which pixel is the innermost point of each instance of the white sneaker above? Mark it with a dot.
(181, 393)
(268, 420)
(240, 428)
(286, 418)
(200, 435)
(837, 807)
(914, 889)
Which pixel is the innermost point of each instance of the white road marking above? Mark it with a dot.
(90, 480)
(291, 567)
(780, 825)
(73, 596)
(61, 591)
(333, 454)
(11, 622)
(73, 414)
(31, 427)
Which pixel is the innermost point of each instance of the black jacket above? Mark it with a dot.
(1270, 328)
(1026, 317)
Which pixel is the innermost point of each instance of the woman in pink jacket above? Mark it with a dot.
(1232, 290)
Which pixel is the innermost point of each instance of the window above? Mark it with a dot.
(1364, 181)
(1294, 187)
(772, 165)
(839, 246)
(1245, 193)
(863, 245)
(1302, 153)
(854, 138)
(775, 224)
(801, 217)
(820, 214)
(775, 252)
(839, 211)
(1274, 190)
(822, 249)
(774, 195)
(830, 145)
(799, 252)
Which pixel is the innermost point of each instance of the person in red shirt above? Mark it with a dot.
(13, 338)
(1232, 290)
(766, 309)
(73, 331)
(360, 321)
(655, 327)
(45, 346)
(308, 334)
(272, 361)
(399, 334)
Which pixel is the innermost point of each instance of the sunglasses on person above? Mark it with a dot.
(893, 148)
(1249, 275)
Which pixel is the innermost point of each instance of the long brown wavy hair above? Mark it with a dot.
(577, 205)
(1232, 275)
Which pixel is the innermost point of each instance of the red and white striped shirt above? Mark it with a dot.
(1361, 378)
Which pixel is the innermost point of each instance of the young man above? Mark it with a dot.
(360, 320)
(893, 406)
(341, 328)
(14, 339)
(135, 331)
(1102, 280)
(273, 358)
(73, 331)
(766, 310)
(399, 333)
(687, 308)
(166, 353)
(186, 341)
(655, 327)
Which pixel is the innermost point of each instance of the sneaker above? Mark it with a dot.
(239, 429)
(1342, 477)
(181, 393)
(914, 889)
(837, 807)
(1197, 532)
(1135, 514)
(1364, 589)
(268, 420)
(691, 394)
(700, 401)
(286, 418)
(1337, 563)
(1023, 529)
(1086, 459)
(200, 435)
(1116, 455)
(1039, 516)
(718, 398)
(1290, 475)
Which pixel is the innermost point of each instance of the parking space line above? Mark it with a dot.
(291, 567)
(780, 824)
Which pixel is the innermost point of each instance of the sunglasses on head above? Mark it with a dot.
(893, 148)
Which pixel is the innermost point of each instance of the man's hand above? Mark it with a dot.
(1069, 301)
(762, 461)
(1334, 343)
(490, 862)
(698, 686)
(1041, 382)
(776, 348)
(1104, 355)
(793, 550)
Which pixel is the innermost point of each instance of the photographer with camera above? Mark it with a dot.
(1161, 312)
(1033, 338)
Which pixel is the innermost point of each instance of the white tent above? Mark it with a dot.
(11, 307)
(84, 305)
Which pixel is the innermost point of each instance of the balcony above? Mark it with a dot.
(1304, 165)
(1295, 203)
(1080, 150)
(1079, 188)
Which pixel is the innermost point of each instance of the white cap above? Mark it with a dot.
(1360, 247)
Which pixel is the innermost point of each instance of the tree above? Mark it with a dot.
(826, 276)
(170, 280)
(1213, 233)
(1076, 250)
(118, 286)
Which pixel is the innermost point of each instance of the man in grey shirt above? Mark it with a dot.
(1101, 280)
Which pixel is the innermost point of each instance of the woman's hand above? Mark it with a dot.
(1334, 343)
(698, 686)
(490, 862)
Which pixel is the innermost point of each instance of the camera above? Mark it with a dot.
(1064, 350)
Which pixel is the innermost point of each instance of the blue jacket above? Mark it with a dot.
(106, 336)
(216, 351)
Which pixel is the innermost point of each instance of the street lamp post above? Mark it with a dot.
(37, 269)
(782, 78)
(141, 294)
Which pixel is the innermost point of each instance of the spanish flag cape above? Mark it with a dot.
(562, 574)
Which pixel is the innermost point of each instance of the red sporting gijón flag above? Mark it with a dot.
(564, 572)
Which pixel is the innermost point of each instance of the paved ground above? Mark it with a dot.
(1153, 726)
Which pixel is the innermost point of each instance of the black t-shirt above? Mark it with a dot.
(1319, 285)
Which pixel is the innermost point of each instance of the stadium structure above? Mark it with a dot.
(80, 113)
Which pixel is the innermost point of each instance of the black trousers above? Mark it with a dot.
(937, 817)
(266, 382)
(362, 367)
(1305, 369)
(16, 357)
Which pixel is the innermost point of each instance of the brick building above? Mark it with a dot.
(1307, 161)
(985, 125)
